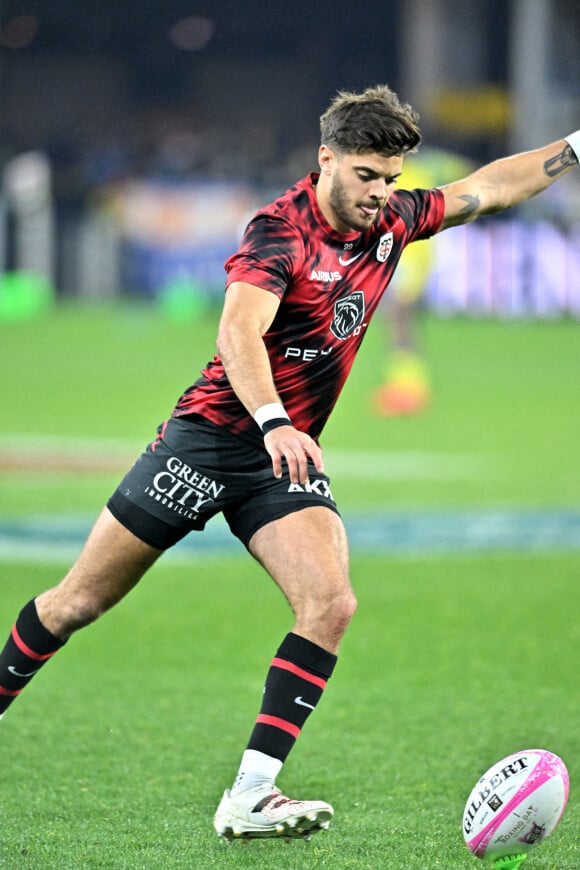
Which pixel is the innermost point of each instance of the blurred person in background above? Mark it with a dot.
(243, 440)
(406, 387)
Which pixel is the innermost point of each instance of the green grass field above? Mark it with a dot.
(117, 754)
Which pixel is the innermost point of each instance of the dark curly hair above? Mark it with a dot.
(374, 120)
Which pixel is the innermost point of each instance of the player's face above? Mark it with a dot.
(359, 187)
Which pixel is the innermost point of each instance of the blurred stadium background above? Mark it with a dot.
(136, 138)
(135, 141)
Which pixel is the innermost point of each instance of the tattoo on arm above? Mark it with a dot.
(471, 204)
(556, 165)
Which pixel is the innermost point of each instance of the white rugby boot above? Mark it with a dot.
(265, 812)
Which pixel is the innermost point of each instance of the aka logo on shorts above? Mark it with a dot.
(319, 486)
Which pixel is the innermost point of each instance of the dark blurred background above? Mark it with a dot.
(145, 133)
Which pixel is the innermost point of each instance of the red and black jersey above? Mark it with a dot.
(329, 285)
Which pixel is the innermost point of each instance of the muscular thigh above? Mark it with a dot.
(306, 553)
(112, 561)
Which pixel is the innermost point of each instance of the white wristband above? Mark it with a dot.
(271, 411)
(573, 141)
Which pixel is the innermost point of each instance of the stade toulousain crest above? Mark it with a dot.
(385, 247)
(348, 314)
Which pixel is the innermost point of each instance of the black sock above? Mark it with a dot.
(296, 679)
(29, 646)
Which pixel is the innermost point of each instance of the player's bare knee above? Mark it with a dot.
(333, 613)
(344, 610)
(82, 611)
(351, 605)
(63, 613)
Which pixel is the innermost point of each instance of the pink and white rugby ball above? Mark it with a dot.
(516, 804)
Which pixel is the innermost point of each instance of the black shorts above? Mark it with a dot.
(195, 469)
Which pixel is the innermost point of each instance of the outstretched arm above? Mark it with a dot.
(509, 181)
(247, 315)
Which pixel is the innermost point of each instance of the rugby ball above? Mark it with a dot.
(515, 805)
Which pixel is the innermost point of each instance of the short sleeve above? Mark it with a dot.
(270, 253)
(422, 211)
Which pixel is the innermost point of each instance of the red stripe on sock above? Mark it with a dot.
(26, 649)
(264, 719)
(294, 669)
(9, 693)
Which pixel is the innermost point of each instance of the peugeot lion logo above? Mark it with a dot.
(348, 314)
